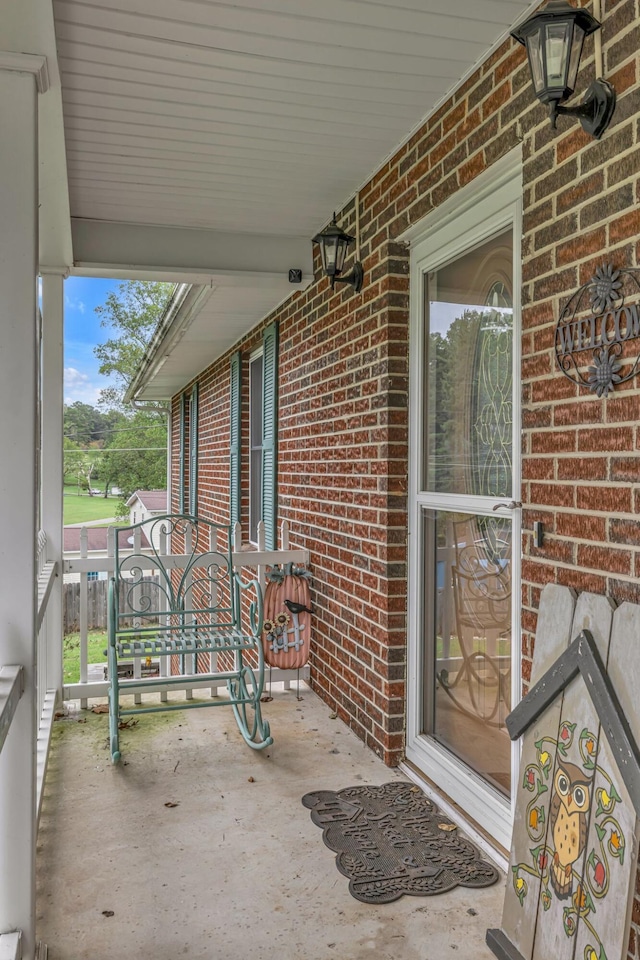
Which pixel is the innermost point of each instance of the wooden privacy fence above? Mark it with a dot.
(96, 603)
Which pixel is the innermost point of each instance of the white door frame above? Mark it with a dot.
(478, 212)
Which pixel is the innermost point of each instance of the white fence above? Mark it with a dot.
(258, 560)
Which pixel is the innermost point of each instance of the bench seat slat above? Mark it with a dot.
(177, 643)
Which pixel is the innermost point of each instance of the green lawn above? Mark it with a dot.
(71, 653)
(78, 509)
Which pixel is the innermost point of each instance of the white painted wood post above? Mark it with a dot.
(137, 622)
(84, 614)
(189, 658)
(52, 466)
(18, 490)
(261, 547)
(163, 604)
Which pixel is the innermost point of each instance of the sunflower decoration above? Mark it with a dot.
(605, 289)
(268, 626)
(282, 619)
(605, 372)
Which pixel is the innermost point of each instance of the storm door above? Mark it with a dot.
(465, 528)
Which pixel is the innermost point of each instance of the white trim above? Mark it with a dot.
(476, 213)
(33, 63)
(488, 847)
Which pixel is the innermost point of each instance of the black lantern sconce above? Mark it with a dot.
(333, 248)
(554, 38)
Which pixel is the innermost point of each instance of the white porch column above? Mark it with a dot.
(18, 504)
(51, 458)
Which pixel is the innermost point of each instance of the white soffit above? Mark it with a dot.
(256, 116)
(209, 323)
(238, 126)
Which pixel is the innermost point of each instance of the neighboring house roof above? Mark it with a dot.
(155, 501)
(97, 539)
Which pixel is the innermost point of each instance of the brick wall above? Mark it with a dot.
(343, 379)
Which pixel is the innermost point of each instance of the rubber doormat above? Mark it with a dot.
(391, 840)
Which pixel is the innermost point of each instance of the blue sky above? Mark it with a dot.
(82, 332)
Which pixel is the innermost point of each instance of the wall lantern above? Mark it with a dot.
(554, 38)
(333, 247)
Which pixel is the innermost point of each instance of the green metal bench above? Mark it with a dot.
(176, 597)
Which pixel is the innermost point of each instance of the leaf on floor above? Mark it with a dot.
(100, 708)
(108, 913)
(447, 827)
(172, 803)
(128, 724)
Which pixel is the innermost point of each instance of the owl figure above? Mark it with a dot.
(568, 821)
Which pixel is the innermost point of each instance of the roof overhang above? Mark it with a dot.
(206, 143)
(201, 323)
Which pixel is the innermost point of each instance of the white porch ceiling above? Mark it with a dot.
(255, 117)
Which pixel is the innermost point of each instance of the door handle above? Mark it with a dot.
(511, 505)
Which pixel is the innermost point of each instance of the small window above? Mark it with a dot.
(256, 369)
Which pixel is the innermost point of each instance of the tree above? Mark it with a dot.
(131, 313)
(72, 459)
(131, 465)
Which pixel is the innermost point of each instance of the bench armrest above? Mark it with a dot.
(256, 611)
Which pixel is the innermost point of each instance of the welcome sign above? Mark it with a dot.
(594, 328)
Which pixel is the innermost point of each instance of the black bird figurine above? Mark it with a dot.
(297, 607)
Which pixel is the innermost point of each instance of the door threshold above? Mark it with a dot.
(493, 850)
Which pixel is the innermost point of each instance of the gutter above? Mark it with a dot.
(186, 301)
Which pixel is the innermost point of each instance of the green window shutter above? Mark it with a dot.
(235, 432)
(193, 452)
(270, 435)
(182, 454)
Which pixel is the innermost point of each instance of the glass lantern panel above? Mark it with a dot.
(576, 53)
(340, 255)
(534, 49)
(558, 36)
(329, 247)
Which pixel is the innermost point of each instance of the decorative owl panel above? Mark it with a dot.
(575, 840)
(522, 895)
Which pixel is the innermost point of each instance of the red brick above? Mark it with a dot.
(552, 495)
(625, 469)
(604, 558)
(604, 499)
(607, 439)
(553, 441)
(582, 468)
(581, 526)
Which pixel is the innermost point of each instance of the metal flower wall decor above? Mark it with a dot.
(594, 327)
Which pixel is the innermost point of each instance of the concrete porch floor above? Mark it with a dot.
(236, 869)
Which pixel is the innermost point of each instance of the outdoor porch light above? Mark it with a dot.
(333, 248)
(554, 38)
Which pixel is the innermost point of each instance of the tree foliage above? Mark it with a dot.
(121, 435)
(131, 313)
(129, 464)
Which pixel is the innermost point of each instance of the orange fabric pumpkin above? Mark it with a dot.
(286, 636)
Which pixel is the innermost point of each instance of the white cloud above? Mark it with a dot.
(73, 303)
(78, 386)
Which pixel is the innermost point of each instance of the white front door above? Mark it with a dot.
(464, 608)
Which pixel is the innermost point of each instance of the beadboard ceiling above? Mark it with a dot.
(208, 140)
(257, 116)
